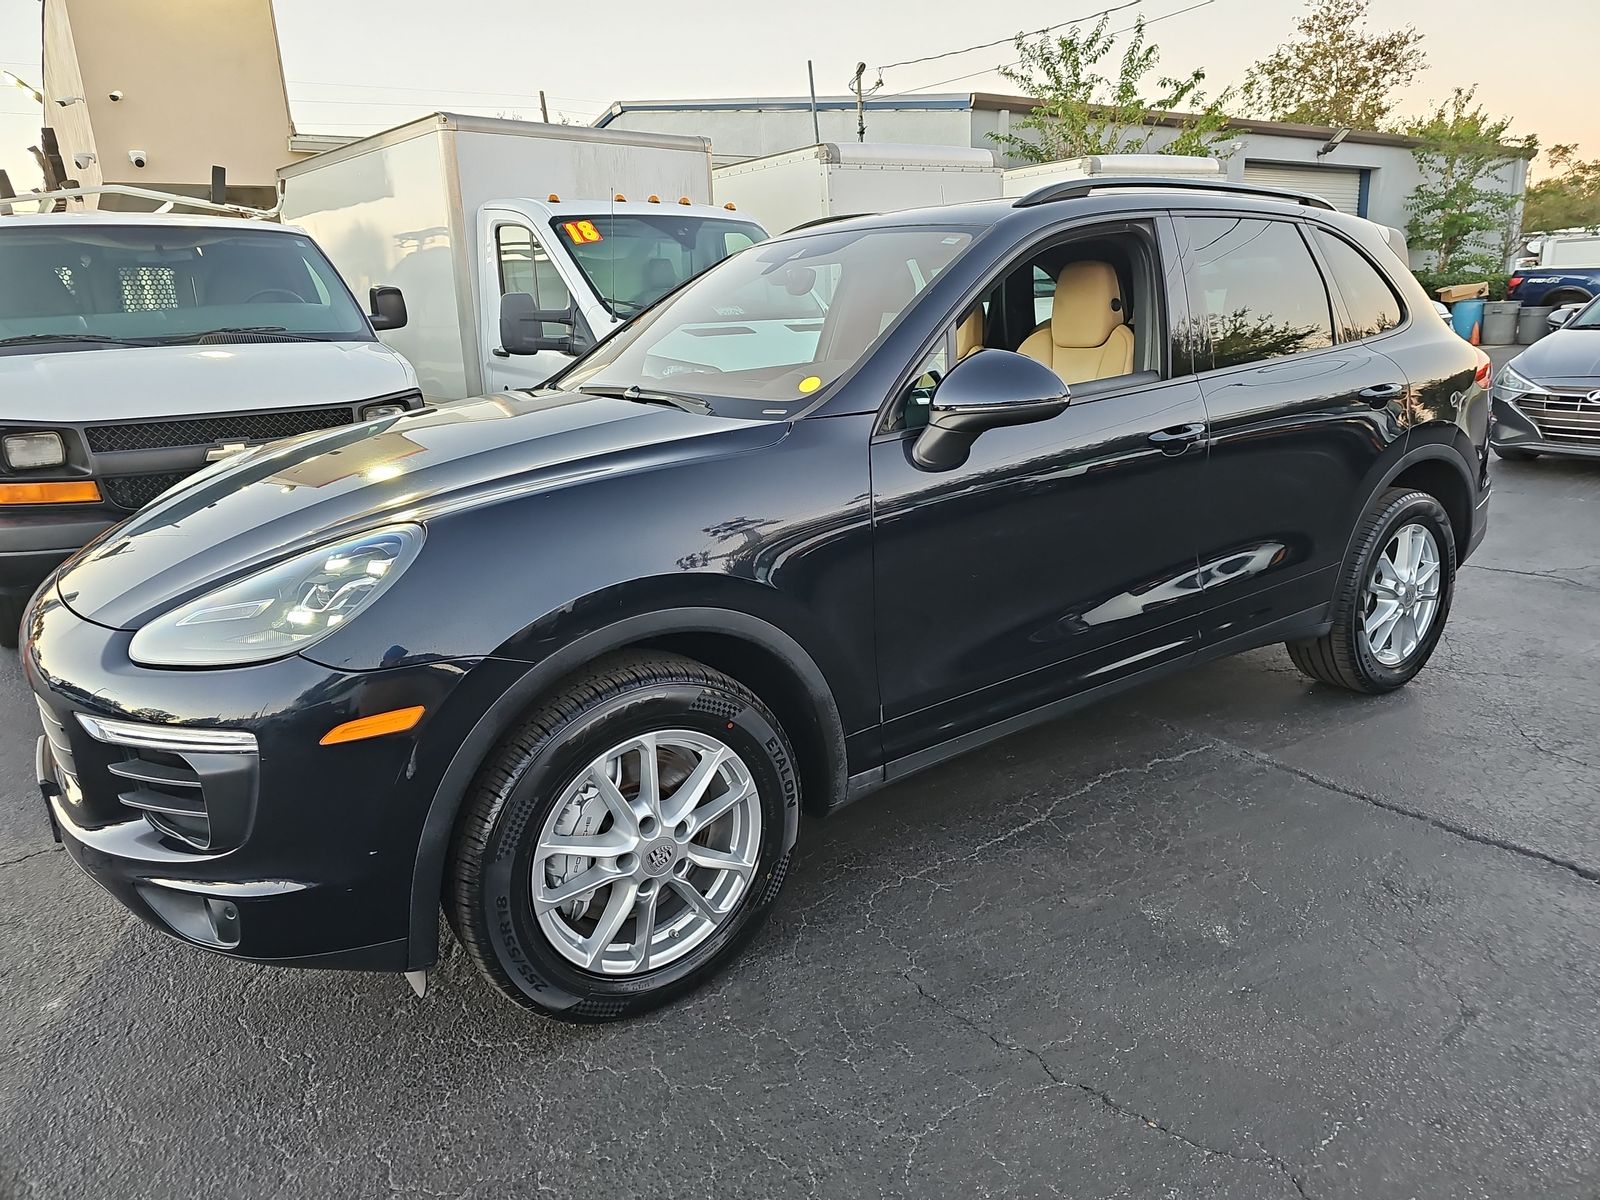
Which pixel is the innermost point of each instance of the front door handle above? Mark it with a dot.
(1178, 438)
(1380, 396)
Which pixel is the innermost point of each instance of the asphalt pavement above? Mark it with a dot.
(1235, 935)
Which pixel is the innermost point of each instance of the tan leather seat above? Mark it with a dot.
(1087, 336)
(969, 334)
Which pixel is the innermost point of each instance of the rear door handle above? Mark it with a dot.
(1383, 393)
(1178, 438)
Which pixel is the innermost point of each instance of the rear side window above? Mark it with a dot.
(1255, 291)
(1369, 302)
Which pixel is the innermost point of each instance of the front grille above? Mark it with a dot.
(1574, 419)
(61, 752)
(207, 431)
(168, 791)
(133, 492)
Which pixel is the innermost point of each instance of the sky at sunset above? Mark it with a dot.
(351, 73)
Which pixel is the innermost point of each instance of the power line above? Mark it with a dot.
(1007, 40)
(991, 70)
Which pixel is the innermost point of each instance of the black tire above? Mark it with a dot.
(487, 892)
(1511, 455)
(1341, 656)
(11, 609)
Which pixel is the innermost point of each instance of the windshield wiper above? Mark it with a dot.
(31, 339)
(637, 307)
(688, 403)
(275, 330)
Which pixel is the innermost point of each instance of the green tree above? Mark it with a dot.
(1459, 213)
(1082, 110)
(1333, 72)
(1567, 199)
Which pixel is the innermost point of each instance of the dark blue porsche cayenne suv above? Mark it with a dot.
(569, 664)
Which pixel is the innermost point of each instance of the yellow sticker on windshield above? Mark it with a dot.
(810, 383)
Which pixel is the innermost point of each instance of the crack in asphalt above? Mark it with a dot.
(1266, 1158)
(1586, 873)
(1577, 583)
(11, 862)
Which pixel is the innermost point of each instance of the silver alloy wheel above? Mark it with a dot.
(648, 851)
(1402, 596)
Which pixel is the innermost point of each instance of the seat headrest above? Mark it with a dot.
(969, 334)
(1088, 305)
(660, 275)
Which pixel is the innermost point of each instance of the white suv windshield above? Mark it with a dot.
(81, 285)
(777, 322)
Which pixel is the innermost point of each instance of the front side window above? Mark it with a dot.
(525, 266)
(777, 323)
(632, 260)
(166, 284)
(1255, 291)
(1369, 302)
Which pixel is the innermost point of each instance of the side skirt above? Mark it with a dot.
(1310, 623)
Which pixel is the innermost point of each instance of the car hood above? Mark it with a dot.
(267, 503)
(1567, 356)
(150, 382)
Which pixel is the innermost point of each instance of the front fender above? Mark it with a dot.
(523, 682)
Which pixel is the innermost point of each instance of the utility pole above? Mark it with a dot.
(544, 109)
(861, 104)
(811, 76)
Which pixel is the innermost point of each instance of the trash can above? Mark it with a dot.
(1500, 322)
(1532, 323)
(1467, 318)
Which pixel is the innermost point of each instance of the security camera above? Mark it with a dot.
(116, 95)
(138, 157)
(83, 161)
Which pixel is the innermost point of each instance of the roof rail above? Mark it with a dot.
(166, 201)
(829, 220)
(1077, 189)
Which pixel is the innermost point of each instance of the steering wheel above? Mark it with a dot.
(264, 293)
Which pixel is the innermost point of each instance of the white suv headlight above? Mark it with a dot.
(280, 610)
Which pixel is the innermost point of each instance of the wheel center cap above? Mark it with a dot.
(657, 858)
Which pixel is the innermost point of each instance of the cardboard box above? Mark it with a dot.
(1464, 291)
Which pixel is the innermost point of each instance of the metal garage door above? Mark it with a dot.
(1340, 186)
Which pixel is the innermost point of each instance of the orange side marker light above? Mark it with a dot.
(395, 721)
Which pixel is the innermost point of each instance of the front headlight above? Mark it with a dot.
(280, 610)
(391, 406)
(1510, 383)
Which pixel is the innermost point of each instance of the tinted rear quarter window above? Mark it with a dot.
(1256, 292)
(1369, 302)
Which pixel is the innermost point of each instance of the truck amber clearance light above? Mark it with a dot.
(85, 492)
(396, 720)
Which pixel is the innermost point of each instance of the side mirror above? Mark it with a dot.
(985, 390)
(1560, 317)
(522, 324)
(388, 308)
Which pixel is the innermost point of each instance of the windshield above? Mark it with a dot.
(631, 261)
(65, 286)
(1587, 317)
(776, 323)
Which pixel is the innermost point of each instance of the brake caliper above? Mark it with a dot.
(581, 818)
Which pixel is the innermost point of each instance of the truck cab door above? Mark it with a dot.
(516, 260)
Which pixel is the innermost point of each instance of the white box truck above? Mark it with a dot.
(841, 179)
(582, 227)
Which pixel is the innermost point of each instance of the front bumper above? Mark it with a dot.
(35, 541)
(1575, 433)
(305, 853)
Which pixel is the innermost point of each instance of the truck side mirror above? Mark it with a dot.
(522, 324)
(388, 308)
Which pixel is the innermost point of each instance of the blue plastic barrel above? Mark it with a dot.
(1466, 317)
